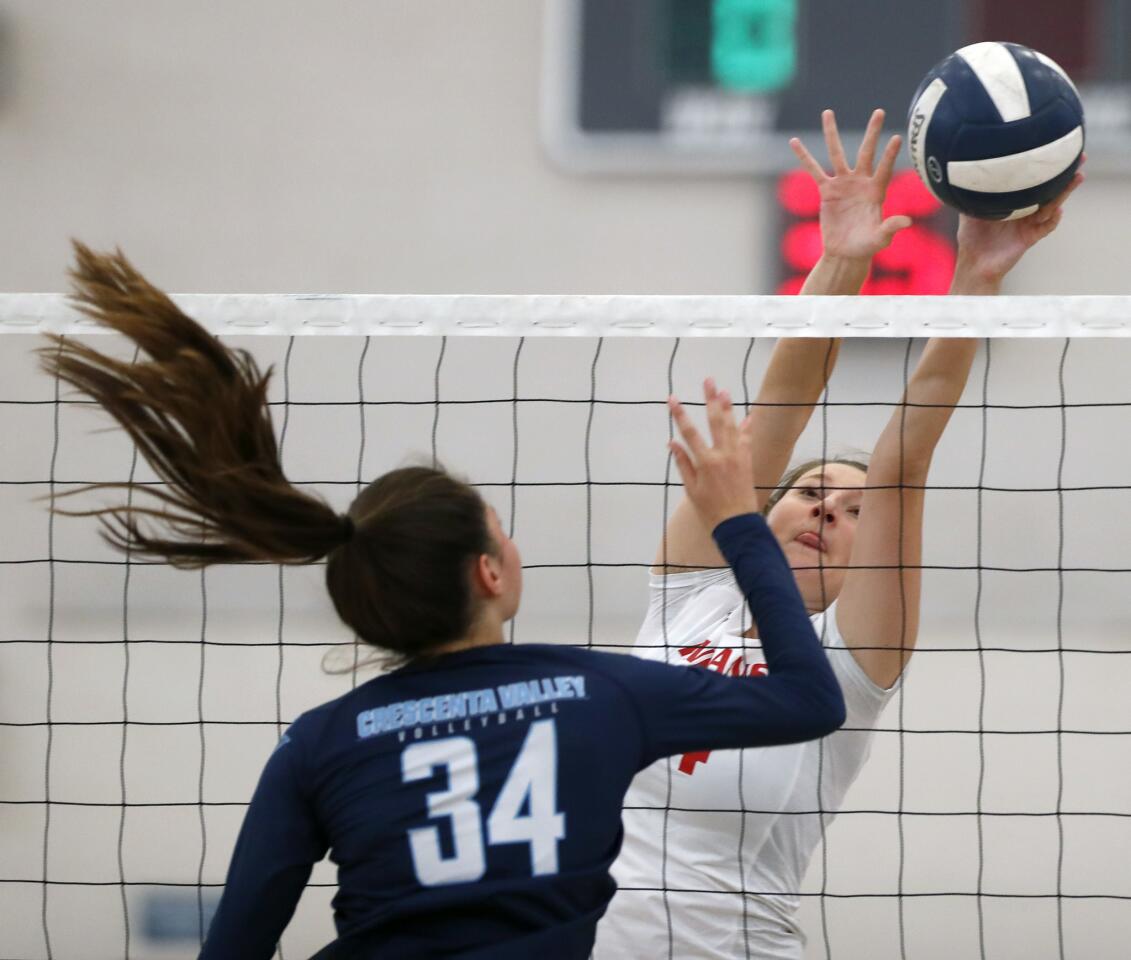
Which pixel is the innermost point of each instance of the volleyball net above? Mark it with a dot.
(139, 703)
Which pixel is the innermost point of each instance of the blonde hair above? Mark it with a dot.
(789, 481)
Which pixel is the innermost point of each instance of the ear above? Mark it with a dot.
(487, 576)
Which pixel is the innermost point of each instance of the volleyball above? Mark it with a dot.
(995, 130)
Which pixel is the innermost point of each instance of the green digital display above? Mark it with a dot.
(754, 44)
(745, 46)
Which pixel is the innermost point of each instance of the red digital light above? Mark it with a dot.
(798, 194)
(920, 259)
(801, 245)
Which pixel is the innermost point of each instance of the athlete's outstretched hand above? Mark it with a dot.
(989, 249)
(719, 478)
(852, 198)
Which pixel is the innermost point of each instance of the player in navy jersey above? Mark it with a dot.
(471, 797)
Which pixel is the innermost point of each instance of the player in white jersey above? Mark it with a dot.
(852, 533)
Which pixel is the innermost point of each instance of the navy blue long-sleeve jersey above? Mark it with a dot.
(472, 804)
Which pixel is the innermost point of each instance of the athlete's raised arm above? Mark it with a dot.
(878, 609)
(853, 230)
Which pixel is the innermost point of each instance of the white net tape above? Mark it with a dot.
(613, 316)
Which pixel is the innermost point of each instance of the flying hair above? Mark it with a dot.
(197, 411)
(398, 563)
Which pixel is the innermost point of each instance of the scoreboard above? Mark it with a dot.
(721, 85)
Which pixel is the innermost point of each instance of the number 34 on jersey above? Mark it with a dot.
(531, 786)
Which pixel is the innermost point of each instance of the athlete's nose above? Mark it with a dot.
(828, 510)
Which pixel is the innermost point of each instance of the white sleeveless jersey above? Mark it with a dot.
(688, 852)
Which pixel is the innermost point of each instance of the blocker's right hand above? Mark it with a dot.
(718, 479)
(852, 198)
(989, 249)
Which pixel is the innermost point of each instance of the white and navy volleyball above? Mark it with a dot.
(995, 130)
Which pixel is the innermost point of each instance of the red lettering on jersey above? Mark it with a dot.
(719, 661)
(695, 652)
(737, 668)
(688, 760)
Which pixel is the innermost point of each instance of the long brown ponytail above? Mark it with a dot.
(399, 560)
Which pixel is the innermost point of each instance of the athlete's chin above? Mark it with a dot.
(817, 589)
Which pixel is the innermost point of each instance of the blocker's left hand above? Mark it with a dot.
(852, 198)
